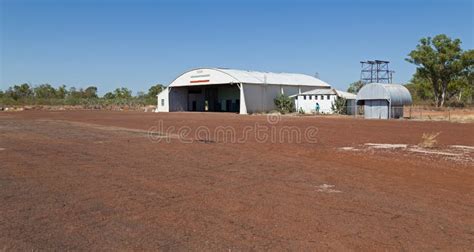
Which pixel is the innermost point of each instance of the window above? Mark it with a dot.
(322, 97)
(162, 102)
(329, 97)
(304, 97)
(316, 97)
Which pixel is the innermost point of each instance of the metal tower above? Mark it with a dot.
(375, 71)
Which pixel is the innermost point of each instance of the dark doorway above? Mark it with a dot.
(237, 105)
(228, 105)
(212, 98)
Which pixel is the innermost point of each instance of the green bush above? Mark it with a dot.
(339, 106)
(284, 104)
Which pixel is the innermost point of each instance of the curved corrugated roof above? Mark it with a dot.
(318, 91)
(255, 77)
(397, 95)
(209, 76)
(346, 95)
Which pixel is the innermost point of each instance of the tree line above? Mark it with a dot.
(45, 94)
(444, 73)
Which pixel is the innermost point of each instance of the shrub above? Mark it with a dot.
(284, 104)
(428, 140)
(339, 106)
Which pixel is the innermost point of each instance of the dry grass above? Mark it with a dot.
(428, 140)
(462, 118)
(461, 115)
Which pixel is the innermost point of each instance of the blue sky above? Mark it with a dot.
(136, 44)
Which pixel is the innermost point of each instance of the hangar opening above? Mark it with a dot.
(212, 98)
(231, 90)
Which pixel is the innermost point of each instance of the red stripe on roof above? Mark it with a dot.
(199, 81)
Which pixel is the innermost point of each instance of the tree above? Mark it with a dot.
(155, 90)
(123, 93)
(109, 96)
(74, 93)
(441, 60)
(19, 91)
(284, 104)
(44, 91)
(141, 95)
(420, 88)
(90, 92)
(61, 92)
(119, 93)
(339, 105)
(460, 91)
(355, 87)
(466, 81)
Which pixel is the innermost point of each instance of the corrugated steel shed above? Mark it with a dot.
(396, 95)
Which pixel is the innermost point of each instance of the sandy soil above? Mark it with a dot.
(97, 180)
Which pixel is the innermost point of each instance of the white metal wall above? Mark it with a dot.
(290, 90)
(396, 112)
(309, 105)
(260, 98)
(270, 93)
(253, 97)
(351, 107)
(163, 101)
(376, 109)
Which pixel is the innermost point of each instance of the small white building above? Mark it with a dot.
(307, 101)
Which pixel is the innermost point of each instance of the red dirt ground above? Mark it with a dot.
(94, 180)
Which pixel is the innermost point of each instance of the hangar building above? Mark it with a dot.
(230, 90)
(383, 101)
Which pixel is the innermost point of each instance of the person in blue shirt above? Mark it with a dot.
(317, 107)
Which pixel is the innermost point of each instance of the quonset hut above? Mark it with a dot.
(230, 90)
(383, 101)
